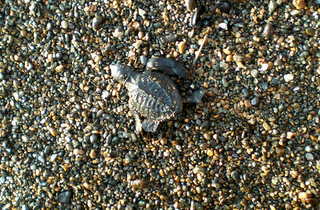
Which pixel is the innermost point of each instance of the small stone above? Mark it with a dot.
(223, 26)
(267, 31)
(305, 197)
(182, 47)
(254, 101)
(87, 186)
(96, 22)
(266, 126)
(137, 44)
(245, 92)
(210, 153)
(24, 207)
(64, 24)
(59, 68)
(224, 6)
(65, 197)
(92, 154)
(52, 131)
(190, 4)
(299, 4)
(291, 135)
(264, 67)
(137, 184)
(294, 173)
(288, 77)
(227, 51)
(118, 33)
(254, 73)
(225, 82)
(272, 6)
(78, 152)
(229, 58)
(142, 12)
(105, 94)
(235, 175)
(308, 149)
(207, 136)
(93, 138)
(309, 156)
(310, 32)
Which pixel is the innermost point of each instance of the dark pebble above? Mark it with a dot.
(96, 22)
(245, 92)
(65, 197)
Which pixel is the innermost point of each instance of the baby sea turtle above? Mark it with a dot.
(153, 95)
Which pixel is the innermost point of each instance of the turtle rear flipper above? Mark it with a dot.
(150, 126)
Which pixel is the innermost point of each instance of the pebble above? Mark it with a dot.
(299, 4)
(309, 156)
(182, 47)
(223, 26)
(267, 31)
(207, 136)
(105, 94)
(308, 148)
(64, 24)
(96, 22)
(254, 73)
(65, 197)
(78, 152)
(266, 126)
(254, 101)
(190, 4)
(137, 184)
(288, 77)
(272, 6)
(305, 197)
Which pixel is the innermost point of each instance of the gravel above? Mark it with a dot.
(67, 138)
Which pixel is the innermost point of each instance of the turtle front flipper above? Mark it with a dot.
(150, 126)
(167, 66)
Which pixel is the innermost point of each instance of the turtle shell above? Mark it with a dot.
(154, 96)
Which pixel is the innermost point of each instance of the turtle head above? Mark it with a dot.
(120, 72)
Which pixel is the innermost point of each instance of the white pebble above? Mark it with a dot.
(223, 26)
(254, 73)
(64, 24)
(264, 67)
(16, 96)
(288, 77)
(308, 149)
(105, 94)
(309, 156)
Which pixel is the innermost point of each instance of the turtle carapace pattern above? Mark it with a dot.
(152, 95)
